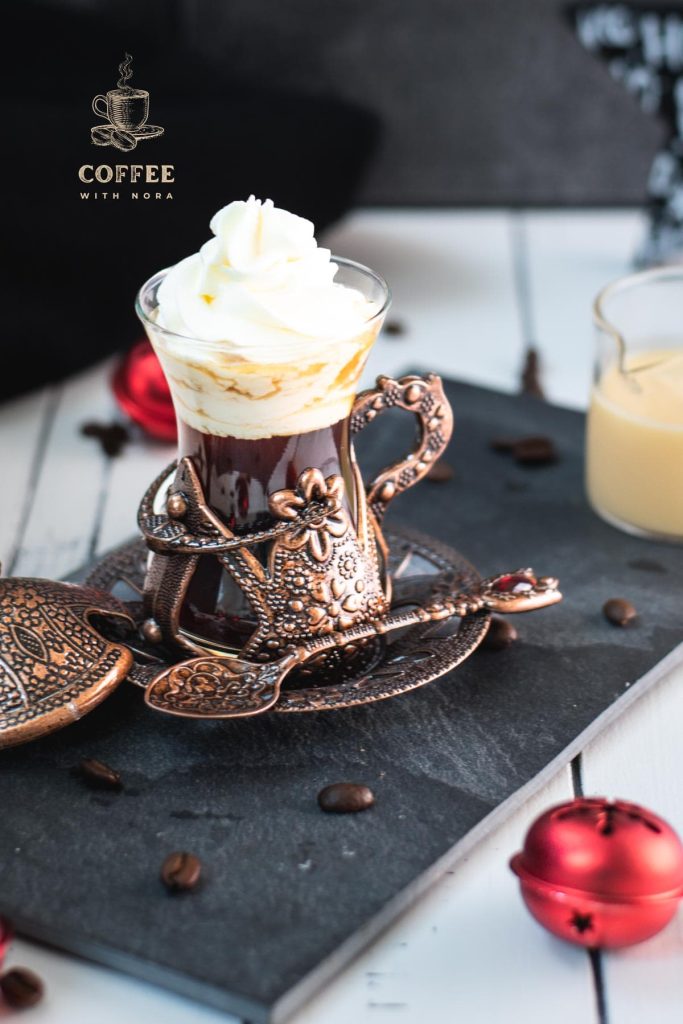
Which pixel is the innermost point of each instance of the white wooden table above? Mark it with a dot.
(473, 289)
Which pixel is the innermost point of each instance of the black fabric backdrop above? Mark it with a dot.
(72, 266)
(317, 105)
(483, 101)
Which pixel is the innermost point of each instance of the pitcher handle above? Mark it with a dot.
(425, 398)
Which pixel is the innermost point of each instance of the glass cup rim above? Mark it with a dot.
(341, 261)
(623, 284)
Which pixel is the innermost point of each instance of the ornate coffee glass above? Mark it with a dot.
(273, 538)
(634, 459)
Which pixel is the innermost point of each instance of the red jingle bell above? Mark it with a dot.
(601, 873)
(6, 936)
(141, 390)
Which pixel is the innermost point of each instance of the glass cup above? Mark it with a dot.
(251, 429)
(634, 458)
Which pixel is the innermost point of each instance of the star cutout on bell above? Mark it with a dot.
(643, 49)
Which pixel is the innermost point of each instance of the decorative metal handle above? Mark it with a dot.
(425, 398)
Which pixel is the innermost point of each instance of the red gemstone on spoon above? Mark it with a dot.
(515, 583)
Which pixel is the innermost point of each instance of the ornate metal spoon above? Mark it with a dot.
(213, 687)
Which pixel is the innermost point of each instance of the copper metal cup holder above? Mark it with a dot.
(332, 629)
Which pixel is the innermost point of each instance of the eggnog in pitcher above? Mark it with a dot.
(635, 442)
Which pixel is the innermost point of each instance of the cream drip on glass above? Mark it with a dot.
(255, 335)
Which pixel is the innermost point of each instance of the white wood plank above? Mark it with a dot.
(452, 280)
(640, 758)
(571, 255)
(130, 476)
(68, 495)
(23, 424)
(468, 951)
(81, 993)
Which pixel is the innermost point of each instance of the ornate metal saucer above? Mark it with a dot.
(424, 572)
(341, 612)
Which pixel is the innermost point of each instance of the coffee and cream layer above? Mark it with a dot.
(254, 334)
(221, 394)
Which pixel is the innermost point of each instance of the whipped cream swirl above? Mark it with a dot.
(262, 287)
(257, 337)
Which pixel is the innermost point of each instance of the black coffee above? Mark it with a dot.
(237, 476)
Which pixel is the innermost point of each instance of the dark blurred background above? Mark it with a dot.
(482, 101)
(319, 105)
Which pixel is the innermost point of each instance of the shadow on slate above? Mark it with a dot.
(286, 885)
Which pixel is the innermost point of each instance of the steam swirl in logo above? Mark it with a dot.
(125, 73)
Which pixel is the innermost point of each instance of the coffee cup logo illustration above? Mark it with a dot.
(126, 111)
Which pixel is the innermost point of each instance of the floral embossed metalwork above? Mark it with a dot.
(208, 687)
(321, 575)
(323, 579)
(312, 538)
(329, 519)
(54, 665)
(347, 674)
(429, 577)
(252, 688)
(318, 579)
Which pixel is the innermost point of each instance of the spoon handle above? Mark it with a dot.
(213, 687)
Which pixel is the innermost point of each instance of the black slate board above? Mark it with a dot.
(291, 893)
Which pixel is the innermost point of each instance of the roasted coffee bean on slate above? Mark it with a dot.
(618, 611)
(530, 380)
(534, 451)
(21, 988)
(440, 473)
(501, 634)
(99, 775)
(394, 327)
(345, 798)
(527, 451)
(503, 444)
(181, 871)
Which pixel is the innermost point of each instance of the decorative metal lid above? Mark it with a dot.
(54, 665)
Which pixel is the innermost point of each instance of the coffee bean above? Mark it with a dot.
(123, 140)
(530, 381)
(503, 444)
(534, 451)
(112, 436)
(181, 871)
(647, 565)
(501, 634)
(99, 775)
(345, 798)
(395, 327)
(440, 473)
(619, 611)
(21, 988)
